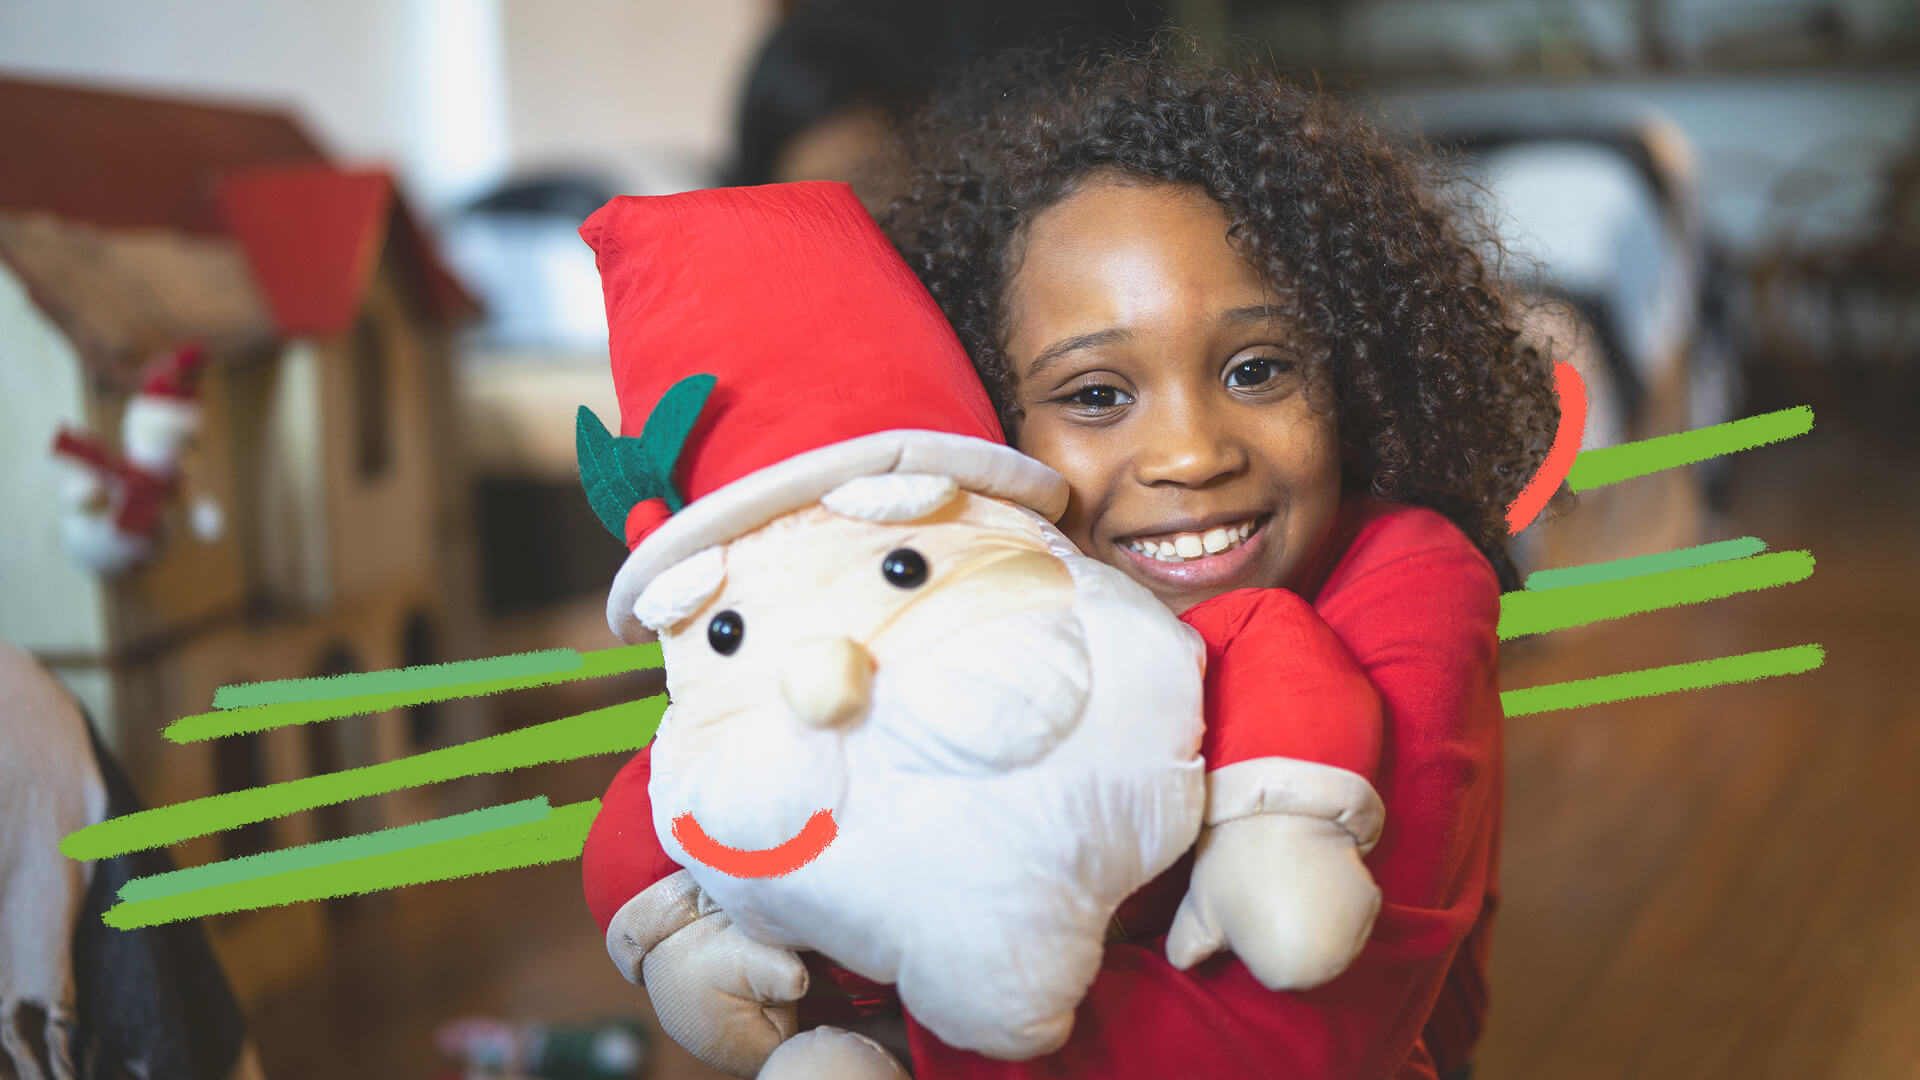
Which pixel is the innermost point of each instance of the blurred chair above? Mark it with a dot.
(1604, 220)
(1603, 241)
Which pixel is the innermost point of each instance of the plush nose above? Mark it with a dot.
(827, 682)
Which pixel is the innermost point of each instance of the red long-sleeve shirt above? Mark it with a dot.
(1415, 606)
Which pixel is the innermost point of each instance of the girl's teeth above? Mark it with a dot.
(1186, 546)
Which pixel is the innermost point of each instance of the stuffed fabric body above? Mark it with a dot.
(1027, 758)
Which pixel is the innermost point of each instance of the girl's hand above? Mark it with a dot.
(1287, 893)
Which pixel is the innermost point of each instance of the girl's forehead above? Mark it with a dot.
(1120, 255)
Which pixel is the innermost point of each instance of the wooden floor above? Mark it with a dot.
(1717, 884)
(1725, 883)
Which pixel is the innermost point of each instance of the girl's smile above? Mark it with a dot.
(1198, 556)
(1155, 373)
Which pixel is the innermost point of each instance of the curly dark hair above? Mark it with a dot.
(1437, 400)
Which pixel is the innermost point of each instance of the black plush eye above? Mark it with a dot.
(904, 567)
(725, 632)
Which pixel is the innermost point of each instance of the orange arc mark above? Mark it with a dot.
(1566, 446)
(783, 858)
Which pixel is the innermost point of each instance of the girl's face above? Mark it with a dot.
(1156, 378)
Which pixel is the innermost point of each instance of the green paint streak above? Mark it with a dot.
(224, 722)
(1618, 569)
(427, 677)
(1612, 464)
(329, 852)
(1651, 682)
(615, 729)
(1529, 612)
(559, 835)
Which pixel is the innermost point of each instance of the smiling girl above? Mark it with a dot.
(1287, 398)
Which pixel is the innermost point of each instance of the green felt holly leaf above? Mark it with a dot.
(619, 472)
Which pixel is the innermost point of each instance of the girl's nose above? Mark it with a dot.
(1188, 451)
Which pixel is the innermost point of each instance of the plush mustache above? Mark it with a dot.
(992, 697)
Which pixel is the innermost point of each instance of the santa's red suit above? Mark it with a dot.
(1383, 663)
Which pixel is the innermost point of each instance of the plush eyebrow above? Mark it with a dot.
(1059, 350)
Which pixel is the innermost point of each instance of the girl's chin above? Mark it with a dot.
(1181, 585)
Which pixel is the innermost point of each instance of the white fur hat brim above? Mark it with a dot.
(977, 465)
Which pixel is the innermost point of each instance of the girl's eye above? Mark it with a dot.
(1256, 372)
(725, 632)
(1098, 397)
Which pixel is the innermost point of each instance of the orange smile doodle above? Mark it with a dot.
(1566, 446)
(776, 861)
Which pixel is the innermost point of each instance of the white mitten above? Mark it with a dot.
(726, 998)
(1286, 892)
(1277, 875)
(829, 1053)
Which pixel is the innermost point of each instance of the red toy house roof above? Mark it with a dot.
(312, 234)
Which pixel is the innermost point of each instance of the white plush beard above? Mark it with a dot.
(979, 880)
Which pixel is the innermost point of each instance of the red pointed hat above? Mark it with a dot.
(768, 345)
(176, 375)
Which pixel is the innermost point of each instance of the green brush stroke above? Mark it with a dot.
(1612, 464)
(427, 677)
(1651, 682)
(223, 722)
(621, 728)
(1619, 569)
(329, 852)
(561, 834)
(1530, 612)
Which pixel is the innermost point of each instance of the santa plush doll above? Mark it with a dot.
(115, 502)
(919, 747)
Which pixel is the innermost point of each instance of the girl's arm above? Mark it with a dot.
(623, 856)
(1417, 607)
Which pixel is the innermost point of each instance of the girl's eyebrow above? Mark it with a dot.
(1057, 351)
(1242, 316)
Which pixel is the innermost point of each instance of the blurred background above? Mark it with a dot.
(1721, 196)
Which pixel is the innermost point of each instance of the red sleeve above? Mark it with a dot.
(1281, 684)
(623, 854)
(1416, 605)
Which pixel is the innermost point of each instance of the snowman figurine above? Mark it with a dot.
(114, 503)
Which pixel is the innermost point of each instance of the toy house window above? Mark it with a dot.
(369, 365)
(238, 764)
(325, 752)
(420, 647)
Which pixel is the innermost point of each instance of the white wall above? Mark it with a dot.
(343, 63)
(48, 601)
(447, 91)
(646, 86)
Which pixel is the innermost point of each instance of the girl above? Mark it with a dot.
(1264, 356)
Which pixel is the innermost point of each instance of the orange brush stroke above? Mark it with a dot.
(775, 861)
(1566, 446)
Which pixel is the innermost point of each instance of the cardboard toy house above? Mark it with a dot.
(129, 225)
